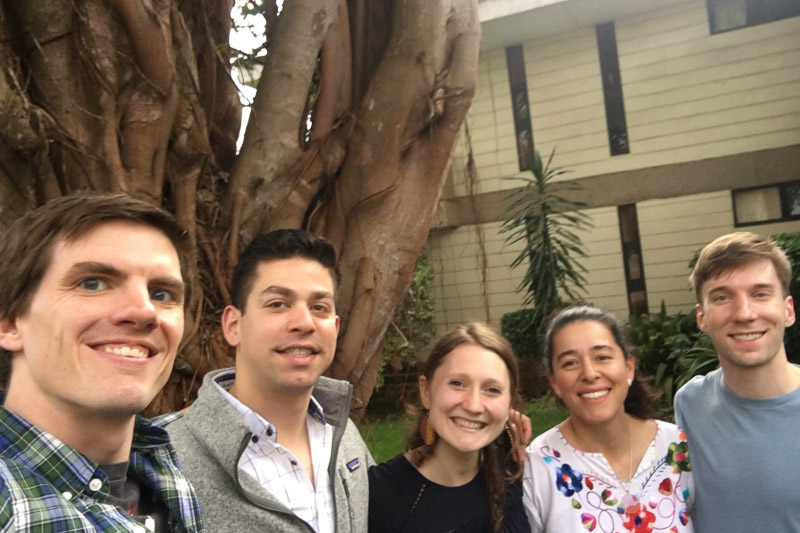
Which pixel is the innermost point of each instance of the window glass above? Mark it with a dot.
(726, 15)
(757, 205)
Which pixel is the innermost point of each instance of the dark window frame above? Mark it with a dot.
(783, 194)
(631, 242)
(616, 123)
(791, 8)
(520, 106)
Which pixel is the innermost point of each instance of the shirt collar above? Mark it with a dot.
(61, 465)
(257, 424)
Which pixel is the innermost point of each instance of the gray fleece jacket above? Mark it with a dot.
(211, 437)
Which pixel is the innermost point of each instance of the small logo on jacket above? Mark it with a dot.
(353, 464)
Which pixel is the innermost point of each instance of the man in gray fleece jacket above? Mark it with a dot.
(268, 445)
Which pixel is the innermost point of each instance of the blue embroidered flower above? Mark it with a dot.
(568, 481)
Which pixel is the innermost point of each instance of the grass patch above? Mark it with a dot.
(386, 436)
(544, 413)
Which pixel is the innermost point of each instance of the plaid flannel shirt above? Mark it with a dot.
(47, 486)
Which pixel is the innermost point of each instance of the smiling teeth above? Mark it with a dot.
(747, 336)
(468, 424)
(127, 351)
(593, 395)
(298, 351)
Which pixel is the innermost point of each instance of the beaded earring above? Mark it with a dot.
(510, 434)
(426, 431)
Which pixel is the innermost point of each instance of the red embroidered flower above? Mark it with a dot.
(640, 520)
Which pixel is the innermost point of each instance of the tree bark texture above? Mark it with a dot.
(136, 96)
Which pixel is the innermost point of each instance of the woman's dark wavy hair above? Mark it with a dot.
(497, 455)
(641, 399)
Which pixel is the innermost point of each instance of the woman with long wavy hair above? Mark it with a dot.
(460, 474)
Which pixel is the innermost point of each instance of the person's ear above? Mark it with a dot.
(424, 392)
(790, 316)
(231, 319)
(630, 368)
(10, 337)
(701, 318)
(552, 379)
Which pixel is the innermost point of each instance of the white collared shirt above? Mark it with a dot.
(279, 472)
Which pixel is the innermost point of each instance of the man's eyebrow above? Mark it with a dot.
(288, 293)
(277, 289)
(321, 295)
(170, 283)
(88, 268)
(93, 267)
(757, 286)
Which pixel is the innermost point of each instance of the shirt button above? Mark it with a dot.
(269, 432)
(67, 495)
(95, 484)
(255, 439)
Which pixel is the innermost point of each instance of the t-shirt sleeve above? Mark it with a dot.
(679, 408)
(528, 494)
(380, 495)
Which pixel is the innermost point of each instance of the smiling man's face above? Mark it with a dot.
(101, 332)
(745, 313)
(286, 337)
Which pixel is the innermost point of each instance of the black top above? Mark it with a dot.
(403, 500)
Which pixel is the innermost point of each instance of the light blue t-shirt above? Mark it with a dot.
(745, 456)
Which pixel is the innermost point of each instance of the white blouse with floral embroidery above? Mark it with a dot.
(567, 490)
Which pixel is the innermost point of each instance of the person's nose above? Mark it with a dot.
(473, 402)
(589, 371)
(744, 310)
(135, 306)
(301, 319)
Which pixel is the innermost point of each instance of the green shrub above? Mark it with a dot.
(671, 349)
(546, 219)
(790, 244)
(517, 327)
(412, 328)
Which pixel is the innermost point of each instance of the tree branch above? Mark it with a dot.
(270, 146)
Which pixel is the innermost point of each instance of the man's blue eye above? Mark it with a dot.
(161, 295)
(93, 284)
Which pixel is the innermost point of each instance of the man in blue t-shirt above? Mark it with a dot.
(743, 420)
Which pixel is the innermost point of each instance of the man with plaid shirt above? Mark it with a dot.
(91, 316)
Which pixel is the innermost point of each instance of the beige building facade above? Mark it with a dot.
(679, 119)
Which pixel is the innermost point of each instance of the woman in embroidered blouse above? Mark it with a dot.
(609, 466)
(459, 474)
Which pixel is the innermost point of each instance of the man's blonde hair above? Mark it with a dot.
(734, 250)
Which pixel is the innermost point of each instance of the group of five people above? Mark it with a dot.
(92, 316)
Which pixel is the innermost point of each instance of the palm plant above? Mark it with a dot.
(547, 222)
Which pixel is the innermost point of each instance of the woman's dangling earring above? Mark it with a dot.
(426, 431)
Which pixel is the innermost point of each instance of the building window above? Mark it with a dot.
(727, 15)
(612, 89)
(771, 203)
(515, 60)
(632, 259)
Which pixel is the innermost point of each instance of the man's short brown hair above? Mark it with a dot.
(735, 250)
(26, 249)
